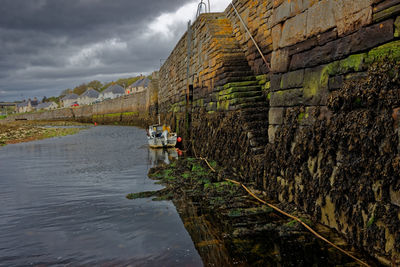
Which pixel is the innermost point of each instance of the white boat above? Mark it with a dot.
(160, 137)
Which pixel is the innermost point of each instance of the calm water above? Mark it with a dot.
(62, 202)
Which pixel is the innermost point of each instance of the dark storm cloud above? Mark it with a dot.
(49, 45)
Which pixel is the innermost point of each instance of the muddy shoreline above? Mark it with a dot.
(228, 226)
(26, 131)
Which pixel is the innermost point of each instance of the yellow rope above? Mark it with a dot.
(290, 216)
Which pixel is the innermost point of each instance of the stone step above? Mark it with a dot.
(227, 80)
(256, 117)
(234, 68)
(234, 62)
(248, 100)
(251, 111)
(252, 88)
(252, 105)
(245, 94)
(241, 84)
(236, 74)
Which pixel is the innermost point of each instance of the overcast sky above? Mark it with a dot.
(47, 46)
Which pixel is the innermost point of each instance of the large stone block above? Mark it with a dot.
(303, 46)
(272, 129)
(292, 79)
(275, 82)
(315, 90)
(280, 60)
(372, 36)
(276, 36)
(387, 13)
(320, 18)
(298, 6)
(314, 57)
(287, 98)
(364, 39)
(354, 21)
(294, 30)
(281, 13)
(275, 116)
(327, 37)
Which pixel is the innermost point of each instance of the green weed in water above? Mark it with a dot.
(235, 213)
(371, 221)
(145, 194)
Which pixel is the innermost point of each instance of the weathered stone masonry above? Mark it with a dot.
(317, 128)
(288, 127)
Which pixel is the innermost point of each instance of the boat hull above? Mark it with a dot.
(160, 142)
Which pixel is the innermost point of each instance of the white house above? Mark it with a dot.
(88, 97)
(47, 106)
(27, 106)
(112, 92)
(22, 107)
(69, 100)
(138, 86)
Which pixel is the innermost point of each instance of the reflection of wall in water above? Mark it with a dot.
(162, 156)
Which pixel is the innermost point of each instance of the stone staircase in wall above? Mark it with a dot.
(245, 94)
(235, 86)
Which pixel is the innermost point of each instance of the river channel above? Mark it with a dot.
(62, 203)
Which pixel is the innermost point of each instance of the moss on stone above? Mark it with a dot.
(223, 105)
(267, 86)
(315, 80)
(389, 51)
(262, 77)
(301, 116)
(238, 84)
(239, 89)
(386, 13)
(397, 27)
(239, 95)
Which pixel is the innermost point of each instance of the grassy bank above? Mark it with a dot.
(26, 131)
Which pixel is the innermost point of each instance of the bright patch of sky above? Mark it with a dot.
(165, 24)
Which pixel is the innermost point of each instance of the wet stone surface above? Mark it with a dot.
(229, 227)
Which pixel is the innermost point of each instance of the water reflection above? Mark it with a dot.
(162, 156)
(62, 202)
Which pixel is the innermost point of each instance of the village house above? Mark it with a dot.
(112, 92)
(47, 106)
(27, 106)
(69, 100)
(88, 97)
(139, 86)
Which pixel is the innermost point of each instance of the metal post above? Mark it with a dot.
(254, 41)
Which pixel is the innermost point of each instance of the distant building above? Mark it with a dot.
(47, 106)
(112, 92)
(69, 100)
(22, 107)
(27, 106)
(88, 97)
(139, 86)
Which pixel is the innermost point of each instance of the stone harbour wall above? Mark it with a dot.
(137, 109)
(316, 127)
